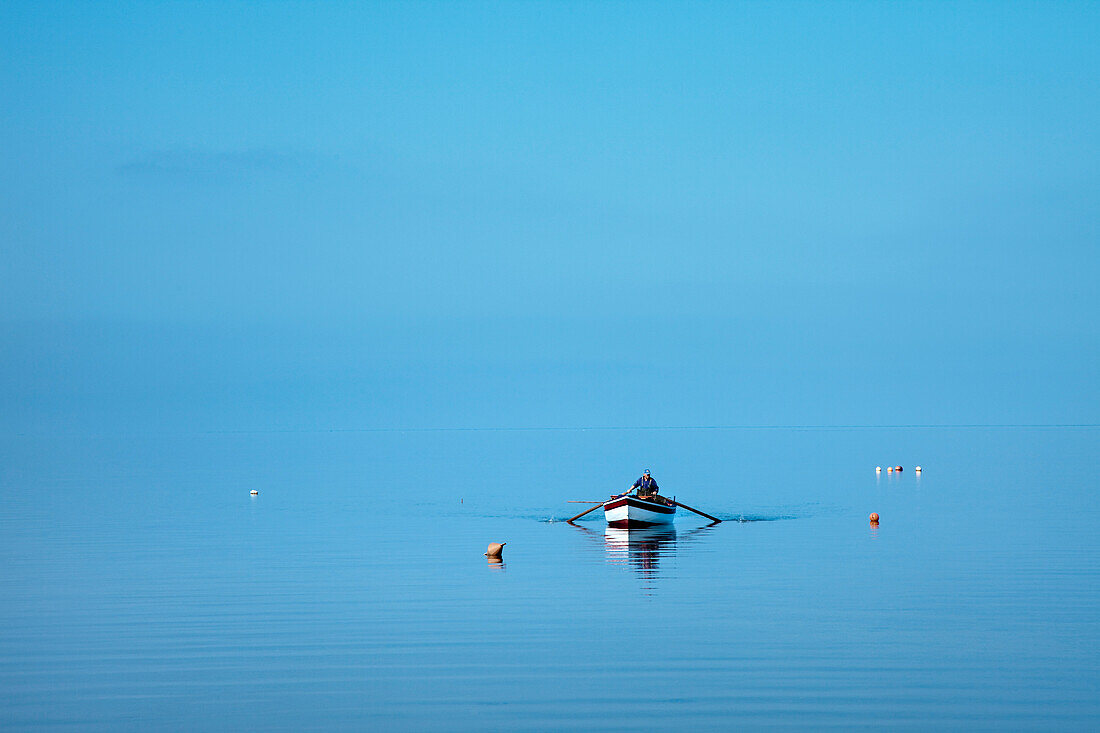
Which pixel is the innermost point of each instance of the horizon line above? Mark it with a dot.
(563, 428)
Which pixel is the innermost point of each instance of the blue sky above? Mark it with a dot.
(710, 212)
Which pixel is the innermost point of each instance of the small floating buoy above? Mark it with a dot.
(495, 549)
(874, 517)
(897, 468)
(917, 469)
(254, 492)
(890, 469)
(878, 469)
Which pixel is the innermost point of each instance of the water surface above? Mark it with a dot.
(144, 588)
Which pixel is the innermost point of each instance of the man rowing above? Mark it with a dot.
(645, 485)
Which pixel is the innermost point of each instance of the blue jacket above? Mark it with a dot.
(648, 485)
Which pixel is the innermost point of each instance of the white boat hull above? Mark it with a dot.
(630, 511)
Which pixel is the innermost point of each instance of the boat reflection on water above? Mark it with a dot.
(642, 549)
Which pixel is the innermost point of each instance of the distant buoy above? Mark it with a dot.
(878, 469)
(890, 469)
(874, 517)
(495, 549)
(897, 468)
(917, 469)
(254, 492)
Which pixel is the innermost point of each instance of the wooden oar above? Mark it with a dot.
(701, 514)
(586, 511)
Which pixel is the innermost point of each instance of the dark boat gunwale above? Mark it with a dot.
(646, 504)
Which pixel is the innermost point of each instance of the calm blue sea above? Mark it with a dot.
(143, 588)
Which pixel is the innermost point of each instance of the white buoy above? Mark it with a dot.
(917, 469)
(878, 469)
(254, 492)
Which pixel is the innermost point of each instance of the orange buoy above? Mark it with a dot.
(889, 469)
(874, 517)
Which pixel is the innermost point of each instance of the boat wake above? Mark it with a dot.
(744, 518)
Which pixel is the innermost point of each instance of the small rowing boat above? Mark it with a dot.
(626, 511)
(635, 511)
